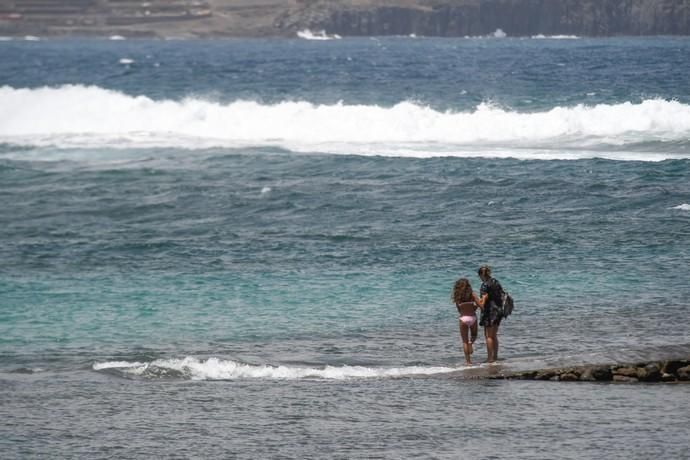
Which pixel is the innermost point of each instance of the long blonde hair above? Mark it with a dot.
(462, 291)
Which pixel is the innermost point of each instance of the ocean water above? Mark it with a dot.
(245, 248)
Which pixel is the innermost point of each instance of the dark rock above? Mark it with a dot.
(649, 373)
(641, 373)
(545, 375)
(683, 373)
(588, 375)
(602, 374)
(625, 371)
(670, 367)
(527, 377)
(665, 377)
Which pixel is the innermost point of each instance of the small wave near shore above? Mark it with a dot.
(219, 369)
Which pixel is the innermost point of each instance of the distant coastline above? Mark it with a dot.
(286, 18)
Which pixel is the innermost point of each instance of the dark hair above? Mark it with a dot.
(484, 271)
(462, 291)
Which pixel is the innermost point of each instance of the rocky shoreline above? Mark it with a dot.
(666, 371)
(285, 18)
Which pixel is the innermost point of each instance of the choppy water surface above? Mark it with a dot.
(246, 248)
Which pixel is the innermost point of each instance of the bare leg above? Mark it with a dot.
(496, 342)
(466, 345)
(490, 337)
(491, 334)
(473, 330)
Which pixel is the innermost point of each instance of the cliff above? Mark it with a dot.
(260, 18)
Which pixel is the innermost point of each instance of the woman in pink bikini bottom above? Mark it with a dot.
(465, 302)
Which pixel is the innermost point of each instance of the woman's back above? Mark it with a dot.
(493, 288)
(466, 308)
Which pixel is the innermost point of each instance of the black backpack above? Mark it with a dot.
(506, 300)
(507, 304)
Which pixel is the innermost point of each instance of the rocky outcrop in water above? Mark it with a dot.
(668, 371)
(446, 18)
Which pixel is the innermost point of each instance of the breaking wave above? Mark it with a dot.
(76, 116)
(318, 35)
(555, 37)
(218, 369)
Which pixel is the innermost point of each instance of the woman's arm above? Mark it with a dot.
(480, 300)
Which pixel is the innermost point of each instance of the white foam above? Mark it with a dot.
(318, 35)
(75, 116)
(126, 61)
(499, 34)
(218, 369)
(117, 37)
(682, 207)
(116, 364)
(555, 37)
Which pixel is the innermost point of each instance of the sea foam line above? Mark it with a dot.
(555, 37)
(75, 116)
(219, 369)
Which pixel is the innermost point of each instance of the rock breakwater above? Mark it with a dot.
(667, 371)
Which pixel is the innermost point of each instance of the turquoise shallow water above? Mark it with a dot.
(205, 253)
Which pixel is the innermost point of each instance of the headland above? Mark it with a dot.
(285, 18)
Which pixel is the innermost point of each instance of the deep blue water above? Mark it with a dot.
(245, 249)
(529, 74)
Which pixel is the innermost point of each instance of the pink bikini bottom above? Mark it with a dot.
(468, 320)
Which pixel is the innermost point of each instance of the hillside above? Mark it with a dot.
(262, 18)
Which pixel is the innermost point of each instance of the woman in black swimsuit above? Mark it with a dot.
(491, 301)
